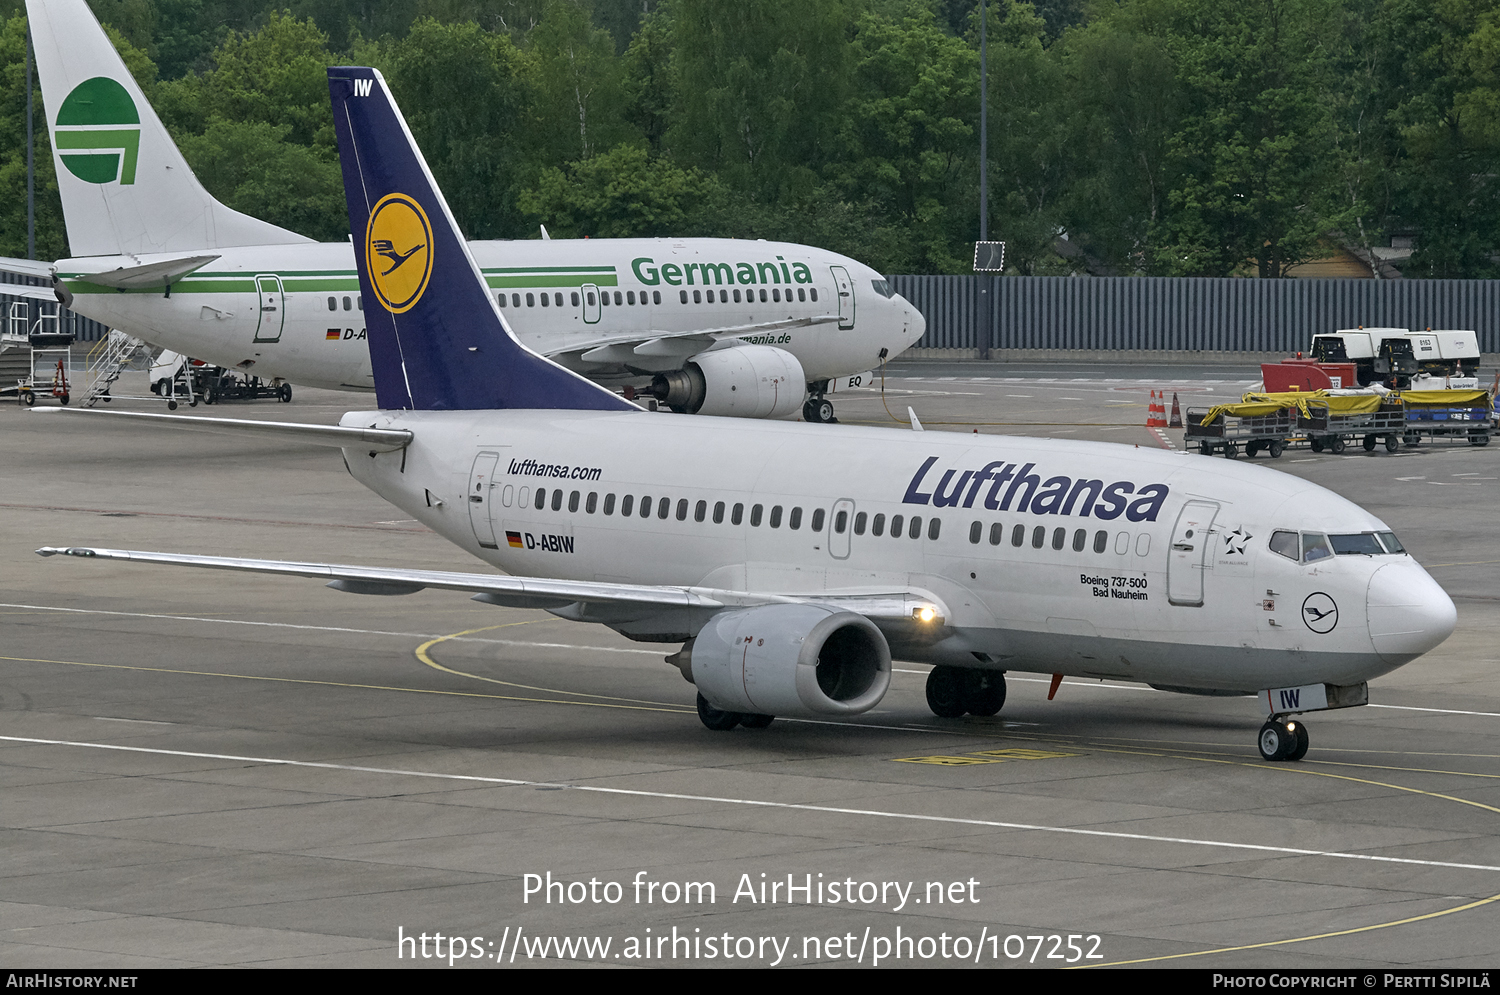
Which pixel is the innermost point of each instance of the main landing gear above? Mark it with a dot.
(1282, 740)
(955, 691)
(721, 721)
(817, 408)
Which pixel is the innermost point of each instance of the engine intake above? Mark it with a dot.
(749, 381)
(804, 660)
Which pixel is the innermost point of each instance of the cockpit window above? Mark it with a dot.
(1286, 544)
(1314, 547)
(1359, 542)
(882, 287)
(1392, 544)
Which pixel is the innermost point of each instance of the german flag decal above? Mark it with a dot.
(514, 538)
(332, 336)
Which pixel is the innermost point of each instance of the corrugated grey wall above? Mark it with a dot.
(1119, 313)
(86, 329)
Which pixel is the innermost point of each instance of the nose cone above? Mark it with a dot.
(917, 325)
(1409, 613)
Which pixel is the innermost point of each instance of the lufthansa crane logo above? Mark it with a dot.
(398, 251)
(1320, 613)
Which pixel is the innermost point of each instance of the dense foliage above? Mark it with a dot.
(1169, 137)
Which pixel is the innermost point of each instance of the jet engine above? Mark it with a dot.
(751, 381)
(805, 660)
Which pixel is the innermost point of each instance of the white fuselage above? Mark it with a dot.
(294, 311)
(1086, 559)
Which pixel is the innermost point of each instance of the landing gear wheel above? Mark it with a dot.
(284, 393)
(819, 410)
(945, 692)
(1392, 443)
(1300, 749)
(985, 694)
(751, 720)
(1276, 741)
(1317, 445)
(1335, 444)
(1369, 443)
(1277, 446)
(716, 718)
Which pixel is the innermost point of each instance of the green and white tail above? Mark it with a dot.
(125, 187)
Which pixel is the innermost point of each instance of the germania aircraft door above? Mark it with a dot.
(844, 287)
(481, 494)
(591, 306)
(1192, 539)
(839, 528)
(272, 309)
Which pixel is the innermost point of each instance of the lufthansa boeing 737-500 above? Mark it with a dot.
(791, 562)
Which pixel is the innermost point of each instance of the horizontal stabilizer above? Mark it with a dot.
(380, 440)
(138, 275)
(26, 267)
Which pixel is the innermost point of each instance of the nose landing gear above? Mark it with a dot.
(954, 691)
(1282, 740)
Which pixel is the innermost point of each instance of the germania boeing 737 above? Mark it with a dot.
(717, 326)
(790, 561)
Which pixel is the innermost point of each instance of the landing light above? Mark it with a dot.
(924, 614)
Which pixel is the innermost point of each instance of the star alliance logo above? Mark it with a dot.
(1236, 541)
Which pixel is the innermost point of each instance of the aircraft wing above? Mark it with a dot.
(29, 293)
(381, 440)
(627, 346)
(153, 270)
(26, 267)
(534, 592)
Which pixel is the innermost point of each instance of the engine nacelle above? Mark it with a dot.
(751, 381)
(803, 660)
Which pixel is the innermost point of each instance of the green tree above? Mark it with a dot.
(51, 241)
(252, 167)
(580, 92)
(621, 193)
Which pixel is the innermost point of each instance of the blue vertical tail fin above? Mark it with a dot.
(437, 339)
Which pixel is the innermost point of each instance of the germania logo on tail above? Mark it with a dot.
(98, 132)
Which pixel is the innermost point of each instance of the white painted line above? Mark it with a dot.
(758, 803)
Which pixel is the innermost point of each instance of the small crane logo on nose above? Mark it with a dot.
(1320, 613)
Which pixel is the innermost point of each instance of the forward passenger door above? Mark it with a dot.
(1187, 557)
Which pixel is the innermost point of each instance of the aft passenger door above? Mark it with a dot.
(1188, 556)
(481, 495)
(844, 288)
(272, 312)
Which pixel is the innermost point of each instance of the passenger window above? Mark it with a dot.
(500, 299)
(593, 502)
(530, 300)
(818, 516)
(1314, 547)
(683, 295)
(796, 522)
(1143, 544)
(1018, 536)
(736, 296)
(762, 296)
(618, 297)
(627, 503)
(776, 517)
(546, 300)
(719, 513)
(515, 300)
(859, 523)
(333, 305)
(645, 506)
(812, 292)
(664, 508)
(700, 511)
(630, 297)
(524, 498)
(915, 532)
(1080, 540)
(776, 294)
(976, 532)
(1059, 538)
(682, 507)
(348, 305)
(573, 503)
(574, 297)
(656, 296)
(896, 521)
(604, 298)
(1122, 543)
(1039, 537)
(697, 297)
(997, 534)
(737, 515)
(840, 522)
(934, 528)
(801, 294)
(557, 500)
(1101, 541)
(877, 527)
(755, 514)
(541, 498)
(609, 504)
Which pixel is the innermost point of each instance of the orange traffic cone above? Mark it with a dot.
(1176, 421)
(1156, 413)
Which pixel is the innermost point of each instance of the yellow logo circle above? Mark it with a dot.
(398, 251)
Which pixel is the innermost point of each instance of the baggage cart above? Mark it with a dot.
(1230, 428)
